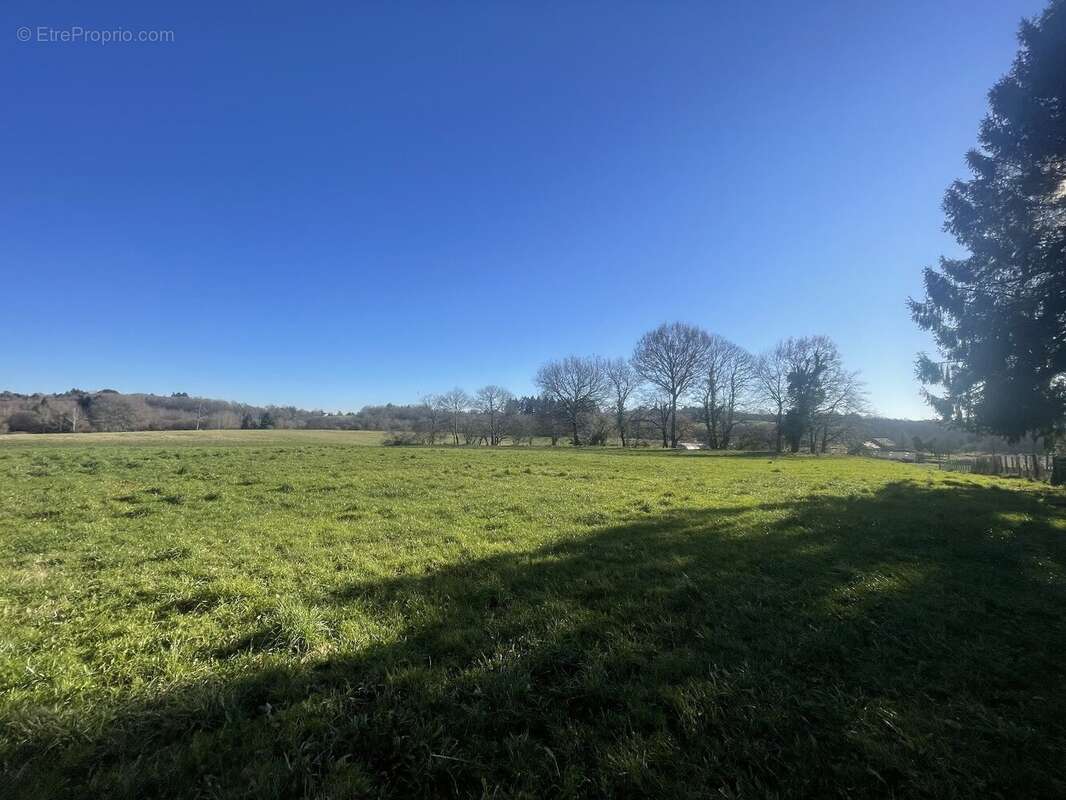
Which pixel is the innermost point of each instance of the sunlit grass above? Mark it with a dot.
(272, 615)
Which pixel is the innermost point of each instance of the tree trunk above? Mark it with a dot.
(780, 423)
(673, 422)
(577, 441)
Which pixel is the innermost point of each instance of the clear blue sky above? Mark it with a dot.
(369, 203)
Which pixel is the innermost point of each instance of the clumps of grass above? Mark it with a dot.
(286, 488)
(174, 499)
(299, 628)
(196, 604)
(212, 497)
(43, 516)
(594, 519)
(136, 512)
(291, 626)
(170, 554)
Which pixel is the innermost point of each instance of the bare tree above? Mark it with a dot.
(491, 401)
(771, 376)
(658, 415)
(672, 358)
(111, 412)
(455, 404)
(728, 374)
(435, 412)
(471, 428)
(624, 382)
(821, 393)
(74, 417)
(598, 426)
(845, 400)
(577, 384)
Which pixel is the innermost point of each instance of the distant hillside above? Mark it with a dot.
(108, 410)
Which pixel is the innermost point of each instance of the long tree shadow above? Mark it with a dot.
(907, 642)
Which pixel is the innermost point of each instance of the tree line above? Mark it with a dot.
(520, 420)
(106, 410)
(680, 381)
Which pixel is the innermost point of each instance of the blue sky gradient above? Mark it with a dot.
(374, 202)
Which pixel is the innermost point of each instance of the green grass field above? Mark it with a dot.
(284, 615)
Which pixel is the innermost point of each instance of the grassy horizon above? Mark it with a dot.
(200, 438)
(302, 617)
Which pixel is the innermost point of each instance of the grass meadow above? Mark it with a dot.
(265, 615)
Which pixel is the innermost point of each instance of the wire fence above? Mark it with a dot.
(1019, 465)
(1036, 467)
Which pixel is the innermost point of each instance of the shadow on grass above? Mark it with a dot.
(907, 642)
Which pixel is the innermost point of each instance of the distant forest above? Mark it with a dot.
(522, 420)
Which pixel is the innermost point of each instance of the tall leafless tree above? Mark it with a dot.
(672, 357)
(490, 401)
(455, 402)
(659, 415)
(74, 417)
(434, 414)
(729, 372)
(624, 382)
(577, 384)
(771, 377)
(822, 393)
(845, 399)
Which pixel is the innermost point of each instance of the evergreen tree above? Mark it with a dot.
(806, 392)
(999, 315)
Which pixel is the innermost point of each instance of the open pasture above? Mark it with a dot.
(277, 615)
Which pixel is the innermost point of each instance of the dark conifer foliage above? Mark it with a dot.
(999, 315)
